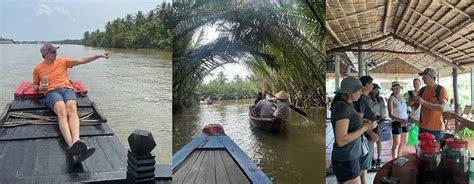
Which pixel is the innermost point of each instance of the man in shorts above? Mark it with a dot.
(50, 76)
(433, 99)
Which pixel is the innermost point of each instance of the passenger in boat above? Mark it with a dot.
(362, 106)
(259, 97)
(208, 100)
(348, 128)
(264, 108)
(433, 99)
(398, 112)
(282, 105)
(50, 76)
(379, 107)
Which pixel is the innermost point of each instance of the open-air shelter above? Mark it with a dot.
(400, 38)
(397, 39)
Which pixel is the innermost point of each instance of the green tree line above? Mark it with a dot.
(222, 88)
(139, 31)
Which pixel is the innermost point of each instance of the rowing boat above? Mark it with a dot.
(32, 149)
(212, 157)
(267, 124)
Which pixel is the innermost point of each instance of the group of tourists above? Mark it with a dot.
(264, 107)
(359, 113)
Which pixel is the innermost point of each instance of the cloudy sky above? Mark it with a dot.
(49, 20)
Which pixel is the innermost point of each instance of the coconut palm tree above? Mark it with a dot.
(280, 41)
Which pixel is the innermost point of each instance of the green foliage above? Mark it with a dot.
(6, 39)
(139, 31)
(466, 132)
(280, 42)
(234, 90)
(68, 41)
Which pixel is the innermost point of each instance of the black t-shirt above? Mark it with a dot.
(362, 105)
(353, 150)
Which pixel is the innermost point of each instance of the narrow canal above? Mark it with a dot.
(132, 88)
(295, 155)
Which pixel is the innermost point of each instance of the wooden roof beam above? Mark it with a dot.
(411, 64)
(385, 17)
(430, 20)
(355, 14)
(437, 57)
(456, 31)
(467, 63)
(405, 12)
(341, 49)
(455, 8)
(381, 50)
(333, 34)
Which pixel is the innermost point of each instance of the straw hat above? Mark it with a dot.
(396, 84)
(350, 85)
(282, 95)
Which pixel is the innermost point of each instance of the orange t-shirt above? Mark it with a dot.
(56, 72)
(431, 119)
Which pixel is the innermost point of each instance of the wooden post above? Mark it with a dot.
(455, 90)
(472, 86)
(437, 75)
(366, 65)
(337, 71)
(361, 63)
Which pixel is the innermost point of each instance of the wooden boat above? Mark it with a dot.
(268, 124)
(32, 149)
(206, 103)
(213, 157)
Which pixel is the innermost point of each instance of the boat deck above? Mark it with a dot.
(213, 166)
(215, 159)
(37, 153)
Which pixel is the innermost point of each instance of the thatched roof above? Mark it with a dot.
(438, 34)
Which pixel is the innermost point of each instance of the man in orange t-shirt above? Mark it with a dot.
(433, 105)
(50, 76)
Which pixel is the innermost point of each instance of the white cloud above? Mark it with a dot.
(62, 10)
(42, 9)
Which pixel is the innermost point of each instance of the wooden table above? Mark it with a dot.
(406, 173)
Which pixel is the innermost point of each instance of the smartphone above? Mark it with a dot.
(401, 161)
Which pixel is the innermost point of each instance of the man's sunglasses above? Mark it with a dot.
(53, 52)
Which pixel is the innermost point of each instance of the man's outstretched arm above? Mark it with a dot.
(88, 59)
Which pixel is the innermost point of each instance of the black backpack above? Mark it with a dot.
(437, 91)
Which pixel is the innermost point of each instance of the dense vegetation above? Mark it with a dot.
(6, 39)
(280, 42)
(139, 31)
(68, 41)
(222, 88)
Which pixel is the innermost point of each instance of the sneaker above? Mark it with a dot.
(379, 163)
(83, 156)
(77, 148)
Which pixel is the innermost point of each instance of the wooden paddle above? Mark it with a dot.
(299, 111)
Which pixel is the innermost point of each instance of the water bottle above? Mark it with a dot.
(45, 81)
